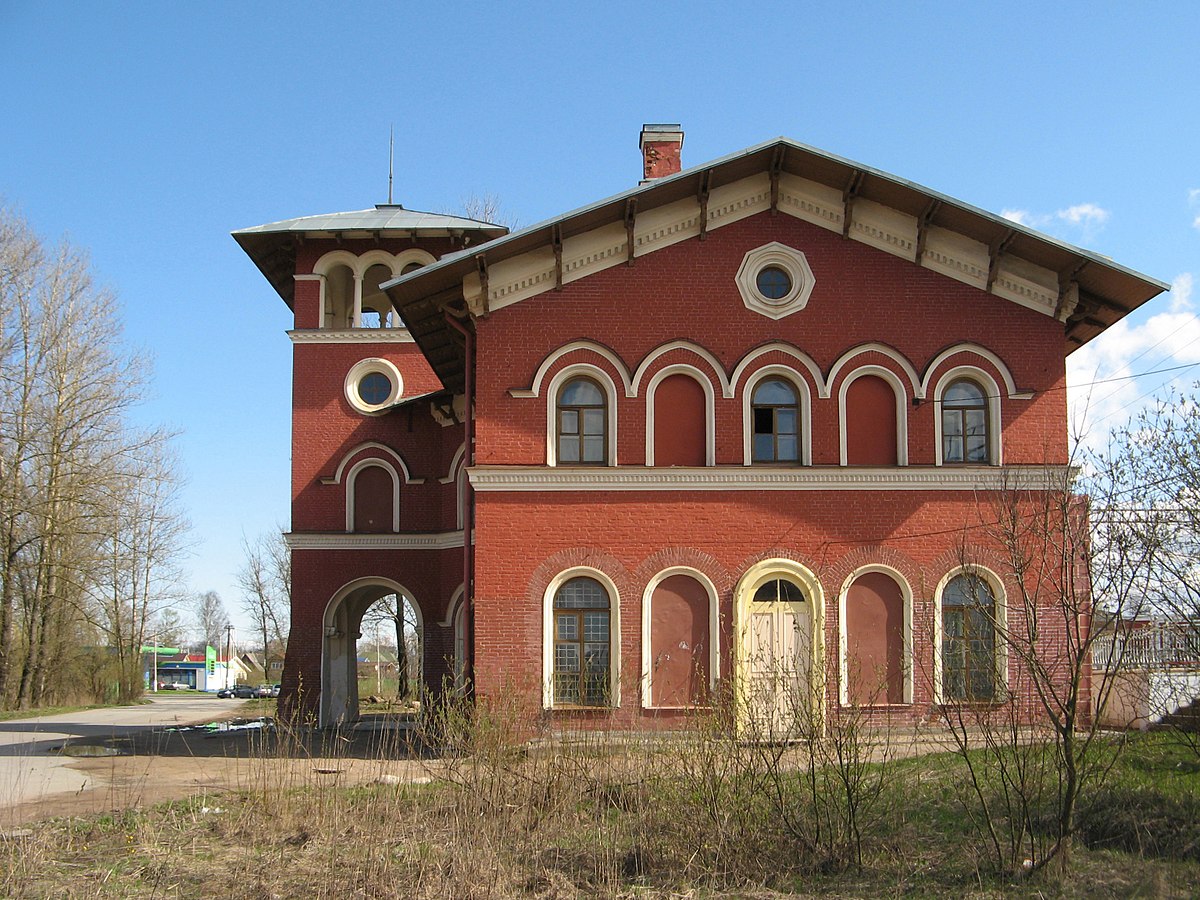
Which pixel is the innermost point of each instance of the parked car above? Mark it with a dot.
(239, 692)
(264, 690)
(275, 688)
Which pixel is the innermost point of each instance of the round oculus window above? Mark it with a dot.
(374, 388)
(773, 282)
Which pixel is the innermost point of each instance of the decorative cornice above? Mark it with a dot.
(357, 336)
(757, 478)
(445, 540)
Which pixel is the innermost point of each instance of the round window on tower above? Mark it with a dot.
(373, 386)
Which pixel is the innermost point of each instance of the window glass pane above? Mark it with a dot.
(566, 657)
(963, 393)
(595, 626)
(581, 392)
(764, 448)
(568, 421)
(773, 283)
(568, 449)
(785, 421)
(374, 388)
(593, 421)
(581, 593)
(593, 449)
(774, 391)
(951, 423)
(787, 448)
(767, 593)
(790, 592)
(568, 628)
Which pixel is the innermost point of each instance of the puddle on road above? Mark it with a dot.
(222, 727)
(86, 751)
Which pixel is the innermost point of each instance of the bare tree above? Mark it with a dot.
(487, 208)
(266, 582)
(66, 448)
(210, 616)
(396, 613)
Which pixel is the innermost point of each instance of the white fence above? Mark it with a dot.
(1173, 644)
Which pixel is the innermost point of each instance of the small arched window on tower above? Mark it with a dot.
(776, 421)
(582, 424)
(376, 307)
(965, 425)
(339, 298)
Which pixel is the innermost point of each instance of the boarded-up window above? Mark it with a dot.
(373, 498)
(870, 422)
(679, 642)
(679, 428)
(875, 640)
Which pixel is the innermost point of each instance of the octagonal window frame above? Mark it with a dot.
(793, 262)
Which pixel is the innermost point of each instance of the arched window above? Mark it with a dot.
(965, 426)
(680, 424)
(581, 424)
(968, 640)
(339, 298)
(870, 422)
(376, 307)
(582, 644)
(374, 500)
(775, 419)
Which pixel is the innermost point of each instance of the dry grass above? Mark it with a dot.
(697, 814)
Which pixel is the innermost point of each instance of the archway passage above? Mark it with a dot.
(355, 657)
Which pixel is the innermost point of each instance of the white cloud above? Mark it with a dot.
(1020, 216)
(1168, 339)
(1088, 215)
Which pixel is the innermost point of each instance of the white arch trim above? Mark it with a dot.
(804, 398)
(352, 476)
(614, 632)
(358, 264)
(901, 396)
(995, 423)
(1009, 384)
(387, 451)
(455, 462)
(714, 657)
(452, 607)
(906, 595)
(710, 451)
(718, 369)
(606, 384)
(536, 388)
(752, 579)
(338, 657)
(875, 347)
(800, 356)
(1000, 623)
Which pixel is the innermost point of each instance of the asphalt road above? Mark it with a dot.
(32, 768)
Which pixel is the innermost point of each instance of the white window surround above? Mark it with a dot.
(361, 370)
(452, 607)
(358, 266)
(907, 637)
(710, 457)
(614, 631)
(800, 356)
(995, 423)
(560, 378)
(781, 256)
(1000, 623)
(714, 657)
(803, 398)
(352, 475)
(384, 449)
(901, 410)
(551, 359)
(874, 347)
(455, 462)
(743, 595)
(1009, 384)
(658, 352)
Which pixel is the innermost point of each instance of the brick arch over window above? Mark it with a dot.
(372, 454)
(581, 640)
(951, 424)
(680, 411)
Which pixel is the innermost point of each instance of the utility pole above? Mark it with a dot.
(378, 663)
(228, 647)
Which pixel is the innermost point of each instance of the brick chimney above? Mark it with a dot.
(660, 150)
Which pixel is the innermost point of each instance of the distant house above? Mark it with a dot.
(728, 426)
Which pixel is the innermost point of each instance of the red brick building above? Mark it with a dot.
(734, 424)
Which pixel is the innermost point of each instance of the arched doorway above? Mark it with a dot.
(343, 629)
(780, 616)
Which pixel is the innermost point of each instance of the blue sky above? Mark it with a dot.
(146, 132)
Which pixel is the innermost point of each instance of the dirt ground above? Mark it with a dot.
(173, 764)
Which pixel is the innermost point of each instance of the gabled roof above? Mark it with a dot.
(272, 247)
(1086, 291)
